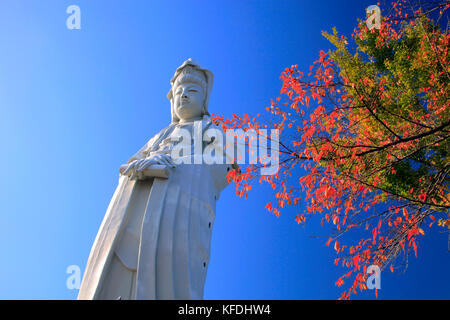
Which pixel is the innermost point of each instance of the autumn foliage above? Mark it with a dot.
(364, 140)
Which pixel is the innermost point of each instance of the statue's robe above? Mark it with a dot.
(154, 241)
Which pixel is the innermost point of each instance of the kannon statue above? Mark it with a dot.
(154, 241)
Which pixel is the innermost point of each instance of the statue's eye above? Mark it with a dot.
(193, 90)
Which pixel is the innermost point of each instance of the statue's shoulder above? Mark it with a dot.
(161, 133)
(151, 144)
(157, 139)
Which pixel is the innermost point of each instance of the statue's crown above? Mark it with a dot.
(190, 73)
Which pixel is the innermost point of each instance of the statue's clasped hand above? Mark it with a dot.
(136, 168)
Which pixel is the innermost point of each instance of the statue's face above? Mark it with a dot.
(188, 100)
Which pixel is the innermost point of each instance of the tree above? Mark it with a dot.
(364, 139)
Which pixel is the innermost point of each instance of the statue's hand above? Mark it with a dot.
(159, 158)
(137, 167)
(131, 169)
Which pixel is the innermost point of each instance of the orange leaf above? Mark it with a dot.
(336, 245)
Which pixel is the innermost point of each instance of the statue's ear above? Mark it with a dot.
(205, 105)
(170, 94)
(172, 111)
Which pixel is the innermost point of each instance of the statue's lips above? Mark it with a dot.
(184, 104)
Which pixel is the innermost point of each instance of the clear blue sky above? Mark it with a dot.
(76, 104)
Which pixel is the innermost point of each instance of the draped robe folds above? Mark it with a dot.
(154, 241)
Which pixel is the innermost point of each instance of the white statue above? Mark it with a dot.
(154, 241)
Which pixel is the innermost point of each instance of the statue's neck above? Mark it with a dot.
(191, 119)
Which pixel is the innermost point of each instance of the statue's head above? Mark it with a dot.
(191, 88)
